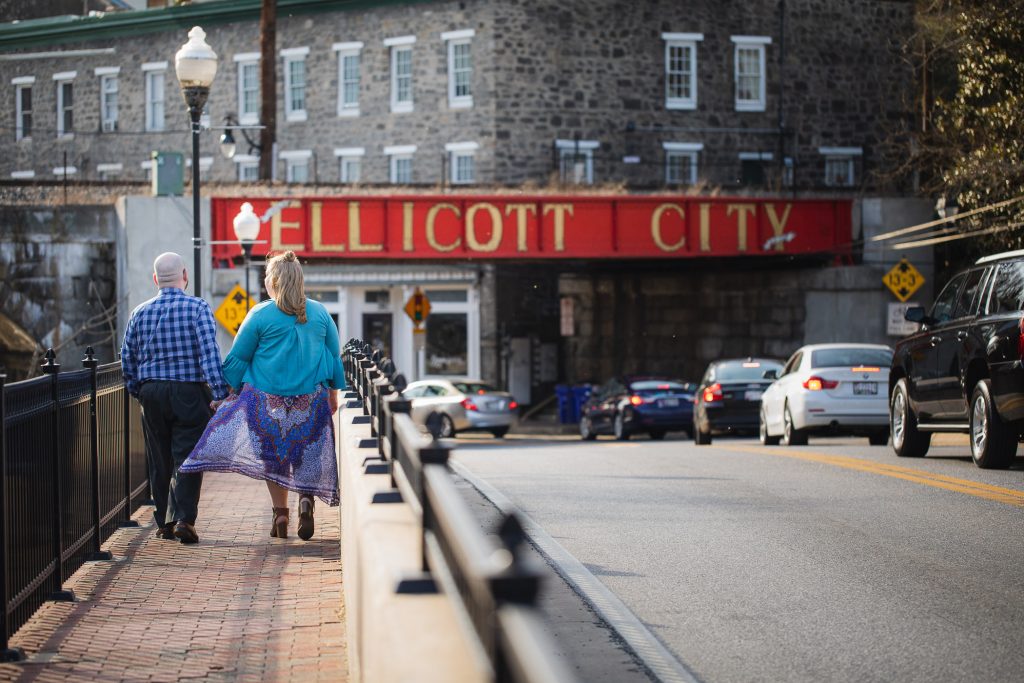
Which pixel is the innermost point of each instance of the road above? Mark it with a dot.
(831, 562)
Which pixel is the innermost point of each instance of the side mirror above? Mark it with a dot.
(770, 374)
(915, 314)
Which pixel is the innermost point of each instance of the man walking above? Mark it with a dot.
(172, 365)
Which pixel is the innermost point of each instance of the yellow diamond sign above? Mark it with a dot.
(232, 310)
(903, 280)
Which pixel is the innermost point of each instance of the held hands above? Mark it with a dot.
(332, 400)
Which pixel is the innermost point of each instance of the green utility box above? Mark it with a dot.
(168, 174)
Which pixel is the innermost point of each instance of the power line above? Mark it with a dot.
(941, 221)
(958, 236)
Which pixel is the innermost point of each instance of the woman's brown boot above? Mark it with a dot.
(279, 523)
(305, 517)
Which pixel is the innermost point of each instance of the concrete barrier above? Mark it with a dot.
(392, 637)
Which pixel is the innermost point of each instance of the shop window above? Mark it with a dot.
(439, 296)
(447, 344)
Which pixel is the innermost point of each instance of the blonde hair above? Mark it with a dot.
(285, 275)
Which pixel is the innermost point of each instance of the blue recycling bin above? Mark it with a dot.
(565, 403)
(580, 394)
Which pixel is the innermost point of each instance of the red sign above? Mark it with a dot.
(491, 227)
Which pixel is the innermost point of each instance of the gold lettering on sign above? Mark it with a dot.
(407, 244)
(705, 227)
(521, 210)
(355, 236)
(496, 228)
(742, 211)
(560, 211)
(277, 225)
(778, 225)
(431, 217)
(316, 210)
(656, 227)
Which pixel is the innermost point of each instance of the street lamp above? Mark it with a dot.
(247, 229)
(196, 66)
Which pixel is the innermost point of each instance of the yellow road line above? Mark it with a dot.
(941, 481)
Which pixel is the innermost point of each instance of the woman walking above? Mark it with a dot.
(284, 368)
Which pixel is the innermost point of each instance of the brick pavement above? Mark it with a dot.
(239, 606)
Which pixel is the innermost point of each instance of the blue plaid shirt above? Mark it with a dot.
(172, 337)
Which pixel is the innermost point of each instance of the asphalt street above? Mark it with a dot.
(831, 562)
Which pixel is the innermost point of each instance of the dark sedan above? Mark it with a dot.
(729, 396)
(635, 405)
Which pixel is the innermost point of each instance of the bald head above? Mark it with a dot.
(169, 271)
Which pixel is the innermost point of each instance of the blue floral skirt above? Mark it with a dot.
(288, 440)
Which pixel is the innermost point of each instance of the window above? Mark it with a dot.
(681, 69)
(401, 72)
(22, 175)
(350, 163)
(1007, 294)
(576, 160)
(787, 172)
(248, 167)
(447, 344)
(109, 171)
(942, 310)
(248, 87)
(147, 167)
(65, 103)
(967, 305)
(348, 77)
(295, 83)
(752, 171)
(839, 168)
(749, 62)
(460, 68)
(108, 97)
(297, 165)
(681, 162)
(462, 164)
(64, 171)
(155, 73)
(400, 163)
(23, 107)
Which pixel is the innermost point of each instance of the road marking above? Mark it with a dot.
(998, 494)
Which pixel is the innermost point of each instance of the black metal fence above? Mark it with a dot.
(73, 467)
(484, 574)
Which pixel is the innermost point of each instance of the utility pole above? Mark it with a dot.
(268, 87)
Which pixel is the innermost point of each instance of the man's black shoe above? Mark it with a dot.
(166, 532)
(185, 532)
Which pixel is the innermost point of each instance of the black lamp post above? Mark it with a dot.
(247, 229)
(196, 66)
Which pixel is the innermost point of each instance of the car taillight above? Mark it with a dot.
(713, 393)
(636, 400)
(468, 405)
(512, 405)
(817, 384)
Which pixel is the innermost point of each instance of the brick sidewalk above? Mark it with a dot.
(239, 606)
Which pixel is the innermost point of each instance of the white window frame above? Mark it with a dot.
(398, 45)
(245, 163)
(453, 39)
(347, 50)
(21, 83)
(686, 41)
(108, 117)
(294, 55)
(64, 171)
(61, 79)
(398, 153)
(150, 70)
(349, 154)
(756, 44)
(22, 175)
(586, 148)
(244, 60)
(294, 158)
(109, 171)
(835, 155)
(457, 150)
(682, 150)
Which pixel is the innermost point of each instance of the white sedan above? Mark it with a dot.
(838, 389)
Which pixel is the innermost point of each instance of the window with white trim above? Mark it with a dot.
(350, 163)
(65, 103)
(681, 69)
(752, 167)
(22, 175)
(749, 72)
(248, 167)
(109, 171)
(460, 68)
(65, 171)
(839, 165)
(349, 73)
(462, 162)
(295, 83)
(108, 97)
(248, 87)
(576, 161)
(401, 72)
(297, 165)
(400, 163)
(23, 107)
(156, 74)
(681, 162)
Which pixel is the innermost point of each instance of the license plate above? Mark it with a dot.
(752, 395)
(668, 402)
(865, 388)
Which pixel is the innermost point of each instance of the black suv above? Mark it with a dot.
(962, 372)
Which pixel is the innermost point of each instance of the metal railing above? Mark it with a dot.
(491, 585)
(73, 469)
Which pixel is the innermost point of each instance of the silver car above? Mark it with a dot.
(464, 404)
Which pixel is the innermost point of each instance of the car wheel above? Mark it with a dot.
(621, 432)
(993, 445)
(907, 441)
(791, 436)
(762, 432)
(657, 435)
(587, 429)
(500, 432)
(878, 438)
(447, 430)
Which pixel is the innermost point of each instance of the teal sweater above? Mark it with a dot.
(277, 355)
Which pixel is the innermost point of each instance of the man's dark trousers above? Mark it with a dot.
(174, 415)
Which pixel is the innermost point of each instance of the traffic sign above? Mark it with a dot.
(903, 280)
(417, 307)
(232, 310)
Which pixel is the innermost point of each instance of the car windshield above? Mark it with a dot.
(652, 387)
(473, 387)
(745, 370)
(839, 358)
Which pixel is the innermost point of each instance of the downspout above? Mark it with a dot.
(782, 86)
